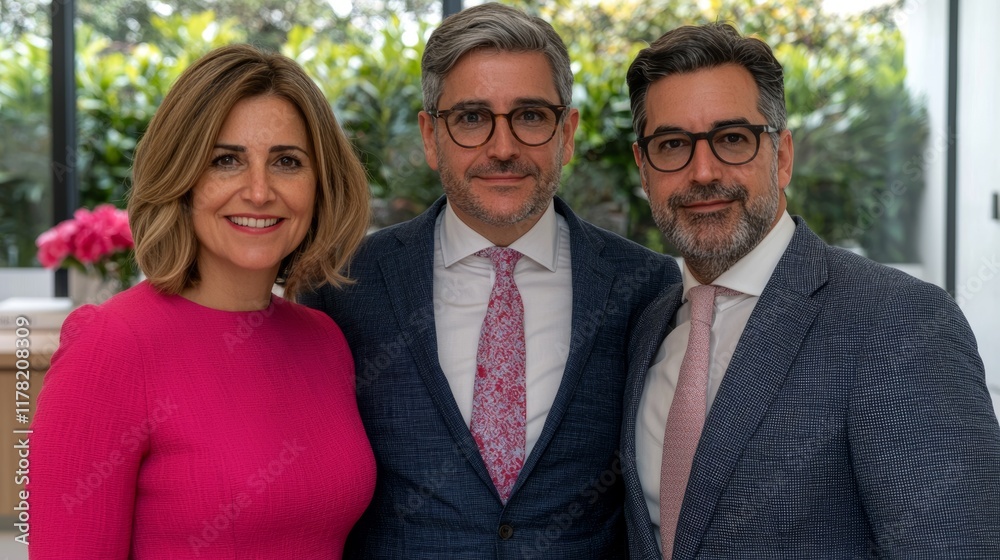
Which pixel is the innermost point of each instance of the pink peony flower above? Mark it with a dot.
(56, 244)
(90, 237)
(117, 227)
(91, 244)
(97, 241)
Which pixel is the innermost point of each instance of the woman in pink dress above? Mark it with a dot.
(197, 415)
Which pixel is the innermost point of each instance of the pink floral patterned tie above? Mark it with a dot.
(687, 412)
(499, 412)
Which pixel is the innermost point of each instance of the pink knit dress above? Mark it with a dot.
(168, 430)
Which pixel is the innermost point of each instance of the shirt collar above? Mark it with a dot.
(751, 273)
(540, 243)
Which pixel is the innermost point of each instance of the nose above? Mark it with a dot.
(705, 168)
(503, 145)
(259, 190)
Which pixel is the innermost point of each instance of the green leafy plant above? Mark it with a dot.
(375, 89)
(119, 88)
(859, 135)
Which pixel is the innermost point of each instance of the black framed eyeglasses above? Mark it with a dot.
(471, 127)
(734, 144)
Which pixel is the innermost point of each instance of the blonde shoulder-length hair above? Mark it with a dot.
(176, 148)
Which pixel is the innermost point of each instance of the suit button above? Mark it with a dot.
(506, 531)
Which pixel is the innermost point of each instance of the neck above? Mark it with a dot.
(504, 236)
(250, 292)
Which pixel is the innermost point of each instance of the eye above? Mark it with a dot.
(731, 137)
(669, 143)
(469, 118)
(225, 160)
(289, 161)
(530, 115)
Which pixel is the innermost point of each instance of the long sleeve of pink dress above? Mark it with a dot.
(169, 430)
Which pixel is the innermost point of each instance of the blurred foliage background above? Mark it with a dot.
(859, 135)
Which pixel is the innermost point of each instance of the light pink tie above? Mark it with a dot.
(499, 412)
(687, 413)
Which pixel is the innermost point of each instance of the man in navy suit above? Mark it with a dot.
(498, 127)
(842, 410)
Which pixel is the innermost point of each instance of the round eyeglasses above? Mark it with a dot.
(672, 150)
(471, 127)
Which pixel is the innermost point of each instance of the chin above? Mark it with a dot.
(510, 218)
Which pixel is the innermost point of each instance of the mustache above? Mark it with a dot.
(701, 193)
(501, 167)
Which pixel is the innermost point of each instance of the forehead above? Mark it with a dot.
(499, 79)
(271, 111)
(695, 101)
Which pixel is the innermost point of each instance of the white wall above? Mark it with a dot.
(925, 25)
(26, 282)
(978, 265)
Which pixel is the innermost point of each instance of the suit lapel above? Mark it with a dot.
(763, 357)
(409, 274)
(650, 331)
(592, 280)
(652, 327)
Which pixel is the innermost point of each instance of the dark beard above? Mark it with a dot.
(704, 239)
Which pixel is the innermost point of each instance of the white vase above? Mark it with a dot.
(89, 287)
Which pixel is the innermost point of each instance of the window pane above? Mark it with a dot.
(977, 277)
(25, 153)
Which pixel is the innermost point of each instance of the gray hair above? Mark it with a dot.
(491, 26)
(690, 48)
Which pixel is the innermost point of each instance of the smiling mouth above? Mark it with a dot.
(501, 178)
(707, 205)
(257, 223)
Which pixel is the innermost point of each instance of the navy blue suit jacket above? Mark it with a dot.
(853, 422)
(433, 496)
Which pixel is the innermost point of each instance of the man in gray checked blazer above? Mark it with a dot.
(498, 126)
(843, 411)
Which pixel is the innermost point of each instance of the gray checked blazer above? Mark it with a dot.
(853, 422)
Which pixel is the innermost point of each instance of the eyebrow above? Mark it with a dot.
(518, 103)
(273, 149)
(715, 124)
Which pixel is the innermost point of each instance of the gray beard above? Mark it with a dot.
(709, 255)
(460, 194)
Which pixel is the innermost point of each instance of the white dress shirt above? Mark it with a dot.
(748, 276)
(462, 286)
